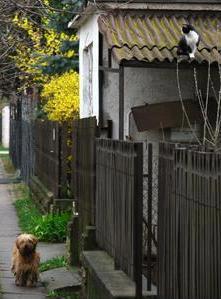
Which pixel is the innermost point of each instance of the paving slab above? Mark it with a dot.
(61, 279)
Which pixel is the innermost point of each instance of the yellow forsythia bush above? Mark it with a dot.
(60, 97)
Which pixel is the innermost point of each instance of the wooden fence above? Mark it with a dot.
(27, 150)
(47, 155)
(83, 169)
(51, 155)
(119, 198)
(189, 223)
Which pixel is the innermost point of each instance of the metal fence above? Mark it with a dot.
(189, 223)
(119, 200)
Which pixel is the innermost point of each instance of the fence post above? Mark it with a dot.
(138, 218)
(149, 221)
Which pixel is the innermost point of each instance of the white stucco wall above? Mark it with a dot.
(147, 85)
(5, 126)
(89, 37)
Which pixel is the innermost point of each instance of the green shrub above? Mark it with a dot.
(27, 213)
(50, 227)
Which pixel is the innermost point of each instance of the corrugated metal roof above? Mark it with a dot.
(155, 37)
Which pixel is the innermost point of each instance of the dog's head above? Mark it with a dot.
(26, 244)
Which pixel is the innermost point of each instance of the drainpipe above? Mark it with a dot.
(128, 125)
(101, 81)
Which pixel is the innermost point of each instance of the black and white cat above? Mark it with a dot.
(189, 41)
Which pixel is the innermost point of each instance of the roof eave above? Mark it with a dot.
(169, 6)
(81, 18)
(91, 8)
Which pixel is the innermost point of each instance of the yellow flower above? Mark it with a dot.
(61, 96)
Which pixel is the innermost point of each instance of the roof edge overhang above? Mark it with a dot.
(82, 17)
(169, 6)
(103, 7)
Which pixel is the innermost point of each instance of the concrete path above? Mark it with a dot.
(8, 231)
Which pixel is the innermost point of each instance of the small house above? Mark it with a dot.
(130, 72)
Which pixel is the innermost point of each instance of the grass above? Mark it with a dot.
(63, 295)
(48, 228)
(56, 262)
(2, 148)
(26, 210)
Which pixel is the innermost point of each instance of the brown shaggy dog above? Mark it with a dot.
(25, 261)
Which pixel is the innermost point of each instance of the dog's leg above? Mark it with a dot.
(18, 279)
(21, 278)
(32, 279)
(13, 269)
(13, 265)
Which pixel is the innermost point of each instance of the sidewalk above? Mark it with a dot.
(8, 231)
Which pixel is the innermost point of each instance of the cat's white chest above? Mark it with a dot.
(192, 39)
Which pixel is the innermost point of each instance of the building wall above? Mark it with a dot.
(89, 39)
(149, 85)
(5, 126)
(142, 85)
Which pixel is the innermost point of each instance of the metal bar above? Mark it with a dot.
(108, 69)
(101, 79)
(109, 58)
(121, 102)
(164, 65)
